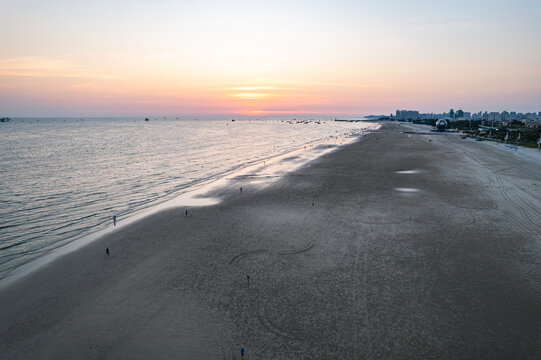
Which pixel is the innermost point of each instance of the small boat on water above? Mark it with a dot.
(5, 119)
(147, 119)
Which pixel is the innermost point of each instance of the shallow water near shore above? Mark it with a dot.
(66, 178)
(253, 177)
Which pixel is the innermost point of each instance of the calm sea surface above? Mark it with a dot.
(64, 178)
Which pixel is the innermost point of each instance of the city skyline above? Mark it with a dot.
(460, 113)
(120, 58)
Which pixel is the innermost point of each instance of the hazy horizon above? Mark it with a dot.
(126, 58)
(239, 116)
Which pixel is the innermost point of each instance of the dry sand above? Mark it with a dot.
(413, 249)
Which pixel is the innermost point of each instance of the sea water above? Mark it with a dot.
(64, 178)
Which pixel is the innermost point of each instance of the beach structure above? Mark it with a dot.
(441, 125)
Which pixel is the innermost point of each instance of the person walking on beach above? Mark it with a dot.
(114, 220)
(186, 212)
(242, 351)
(248, 278)
(107, 251)
(241, 189)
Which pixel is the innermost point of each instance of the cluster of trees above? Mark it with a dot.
(528, 135)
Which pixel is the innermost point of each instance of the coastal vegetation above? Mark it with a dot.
(519, 134)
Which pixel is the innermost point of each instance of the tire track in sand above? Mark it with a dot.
(529, 215)
(236, 259)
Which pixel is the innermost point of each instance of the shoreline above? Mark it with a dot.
(393, 246)
(191, 196)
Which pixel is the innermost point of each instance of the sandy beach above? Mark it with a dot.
(395, 246)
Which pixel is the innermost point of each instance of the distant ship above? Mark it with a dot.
(5, 119)
(147, 119)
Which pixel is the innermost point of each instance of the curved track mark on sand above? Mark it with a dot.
(266, 322)
(297, 251)
(376, 222)
(473, 220)
(237, 258)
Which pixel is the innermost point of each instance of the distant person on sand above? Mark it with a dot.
(248, 278)
(241, 189)
(242, 352)
(107, 251)
(114, 220)
(186, 212)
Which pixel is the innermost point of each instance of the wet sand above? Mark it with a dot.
(412, 249)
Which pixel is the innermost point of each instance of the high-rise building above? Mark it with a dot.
(494, 116)
(452, 113)
(407, 114)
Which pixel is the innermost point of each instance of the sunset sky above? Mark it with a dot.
(154, 57)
